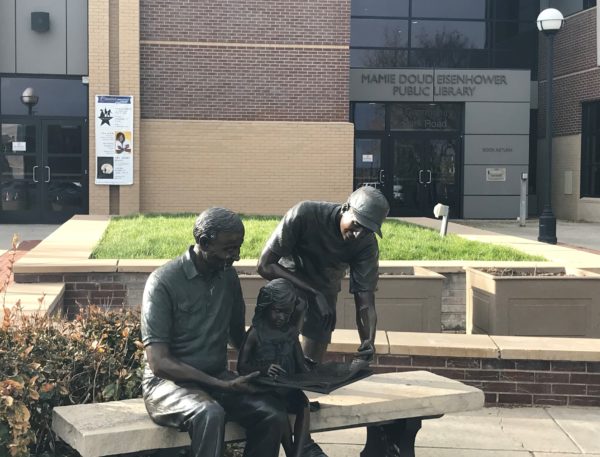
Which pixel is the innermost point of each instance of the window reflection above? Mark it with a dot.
(18, 138)
(387, 33)
(367, 161)
(380, 8)
(568, 7)
(425, 116)
(57, 97)
(467, 9)
(520, 10)
(448, 35)
(64, 139)
(378, 58)
(369, 116)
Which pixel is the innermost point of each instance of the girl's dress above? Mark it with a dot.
(276, 346)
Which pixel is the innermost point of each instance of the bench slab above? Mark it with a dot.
(121, 427)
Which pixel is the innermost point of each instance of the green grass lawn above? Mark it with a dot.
(167, 236)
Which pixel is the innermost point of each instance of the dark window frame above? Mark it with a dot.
(590, 134)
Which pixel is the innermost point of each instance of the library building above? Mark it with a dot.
(156, 106)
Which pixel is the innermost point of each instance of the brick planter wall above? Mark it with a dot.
(504, 382)
(126, 289)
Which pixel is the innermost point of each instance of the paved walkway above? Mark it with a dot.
(583, 256)
(492, 432)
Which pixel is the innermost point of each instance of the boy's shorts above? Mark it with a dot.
(313, 322)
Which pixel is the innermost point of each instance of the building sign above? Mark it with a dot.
(114, 140)
(436, 85)
(495, 174)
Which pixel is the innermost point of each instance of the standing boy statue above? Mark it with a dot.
(192, 307)
(312, 247)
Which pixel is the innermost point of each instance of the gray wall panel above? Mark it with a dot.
(498, 207)
(494, 149)
(7, 36)
(465, 85)
(77, 37)
(497, 118)
(475, 182)
(41, 52)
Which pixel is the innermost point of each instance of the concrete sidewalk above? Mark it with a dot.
(492, 432)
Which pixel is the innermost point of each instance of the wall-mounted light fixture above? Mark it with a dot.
(40, 21)
(29, 99)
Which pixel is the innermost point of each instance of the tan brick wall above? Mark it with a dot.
(129, 84)
(250, 167)
(99, 83)
(114, 68)
(566, 155)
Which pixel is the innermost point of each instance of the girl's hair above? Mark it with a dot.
(275, 291)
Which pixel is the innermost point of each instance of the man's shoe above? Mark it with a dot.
(312, 449)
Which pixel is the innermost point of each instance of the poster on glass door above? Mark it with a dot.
(114, 140)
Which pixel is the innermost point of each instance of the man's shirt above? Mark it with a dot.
(192, 313)
(309, 240)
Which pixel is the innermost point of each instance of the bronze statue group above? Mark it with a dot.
(193, 307)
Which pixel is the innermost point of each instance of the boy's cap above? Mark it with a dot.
(370, 207)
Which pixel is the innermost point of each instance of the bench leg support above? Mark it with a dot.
(392, 440)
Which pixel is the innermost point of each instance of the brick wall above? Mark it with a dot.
(250, 167)
(574, 45)
(125, 289)
(114, 56)
(504, 382)
(575, 66)
(279, 84)
(246, 21)
(245, 60)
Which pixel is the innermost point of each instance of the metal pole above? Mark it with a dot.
(547, 229)
(523, 202)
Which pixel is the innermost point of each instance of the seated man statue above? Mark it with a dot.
(192, 307)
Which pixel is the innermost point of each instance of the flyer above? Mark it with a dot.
(114, 140)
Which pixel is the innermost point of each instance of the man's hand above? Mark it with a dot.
(275, 370)
(242, 384)
(365, 351)
(325, 311)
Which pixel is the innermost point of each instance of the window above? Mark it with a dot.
(568, 7)
(57, 96)
(445, 33)
(590, 150)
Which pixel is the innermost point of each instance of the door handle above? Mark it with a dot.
(381, 176)
(33, 173)
(420, 176)
(430, 177)
(48, 168)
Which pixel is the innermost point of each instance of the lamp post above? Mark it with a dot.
(549, 22)
(29, 99)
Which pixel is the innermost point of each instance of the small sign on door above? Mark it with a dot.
(367, 158)
(495, 174)
(19, 146)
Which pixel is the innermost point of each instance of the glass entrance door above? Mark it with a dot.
(43, 170)
(423, 172)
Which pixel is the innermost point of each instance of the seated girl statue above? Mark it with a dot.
(271, 346)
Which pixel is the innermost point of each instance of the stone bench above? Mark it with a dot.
(390, 405)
